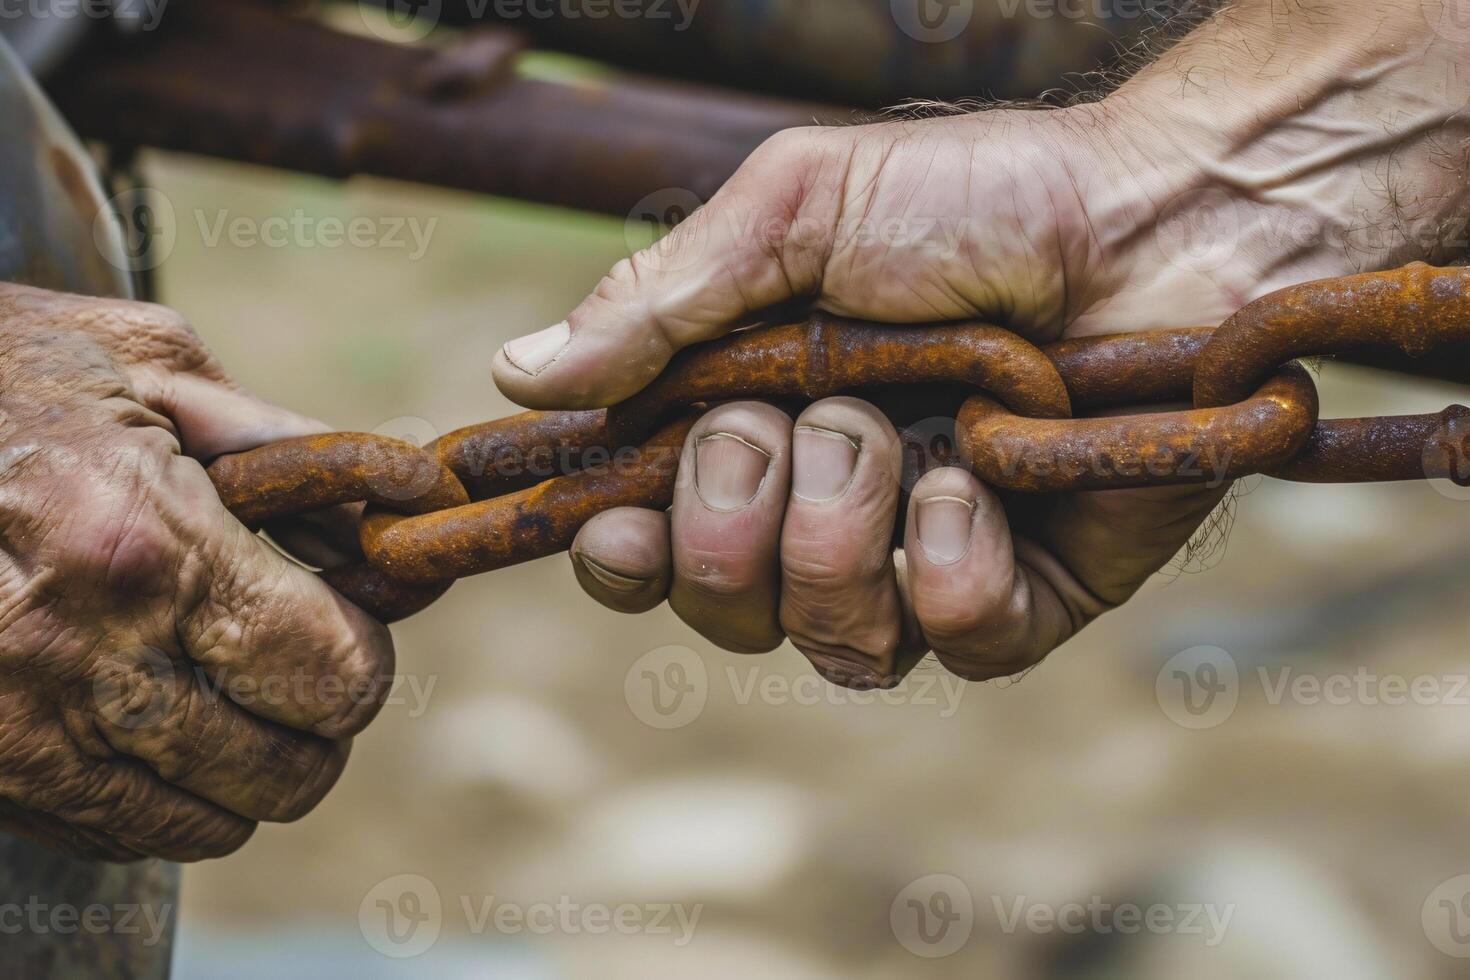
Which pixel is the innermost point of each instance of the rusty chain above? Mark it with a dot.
(489, 495)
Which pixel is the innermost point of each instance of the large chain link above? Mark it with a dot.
(504, 492)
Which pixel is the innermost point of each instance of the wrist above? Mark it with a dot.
(1339, 133)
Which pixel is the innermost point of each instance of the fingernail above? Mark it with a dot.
(728, 471)
(533, 352)
(610, 578)
(943, 526)
(822, 462)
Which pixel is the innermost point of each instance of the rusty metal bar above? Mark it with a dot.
(244, 82)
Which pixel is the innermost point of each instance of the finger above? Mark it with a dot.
(621, 558)
(126, 802)
(167, 715)
(980, 609)
(728, 507)
(839, 600)
(264, 628)
(212, 418)
(58, 835)
(730, 258)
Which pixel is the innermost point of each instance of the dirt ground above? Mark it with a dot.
(1284, 803)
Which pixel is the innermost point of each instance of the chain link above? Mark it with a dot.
(503, 492)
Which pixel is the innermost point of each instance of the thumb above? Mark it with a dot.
(735, 256)
(213, 417)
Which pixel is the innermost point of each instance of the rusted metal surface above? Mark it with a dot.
(1384, 450)
(1212, 445)
(537, 477)
(244, 82)
(296, 476)
(531, 523)
(1413, 310)
(872, 53)
(1130, 368)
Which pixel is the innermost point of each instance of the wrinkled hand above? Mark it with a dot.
(167, 678)
(1211, 178)
(783, 528)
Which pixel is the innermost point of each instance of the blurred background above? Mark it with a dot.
(538, 753)
(1253, 769)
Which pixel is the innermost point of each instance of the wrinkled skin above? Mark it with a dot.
(1279, 143)
(167, 678)
(822, 572)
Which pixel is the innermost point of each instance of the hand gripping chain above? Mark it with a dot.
(503, 492)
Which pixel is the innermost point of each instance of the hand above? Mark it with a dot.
(1061, 223)
(168, 679)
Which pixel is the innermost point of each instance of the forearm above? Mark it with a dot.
(1338, 120)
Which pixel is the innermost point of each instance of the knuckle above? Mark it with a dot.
(784, 147)
(363, 678)
(822, 566)
(831, 625)
(117, 541)
(623, 274)
(719, 576)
